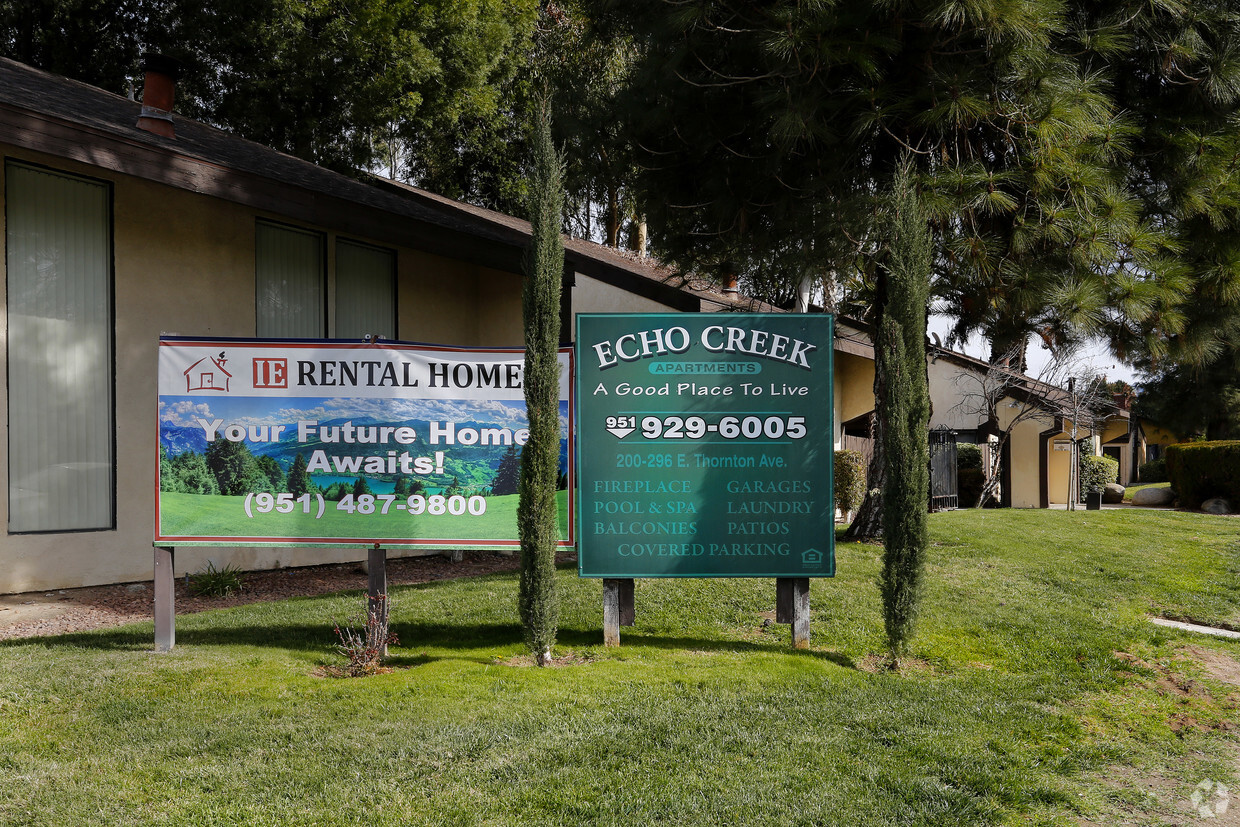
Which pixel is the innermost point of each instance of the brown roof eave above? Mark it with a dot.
(155, 163)
(487, 243)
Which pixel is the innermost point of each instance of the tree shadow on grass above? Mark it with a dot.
(318, 638)
(684, 643)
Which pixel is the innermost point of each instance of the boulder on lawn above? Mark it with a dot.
(1155, 497)
(1217, 505)
(1113, 493)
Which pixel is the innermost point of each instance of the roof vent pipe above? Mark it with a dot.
(158, 88)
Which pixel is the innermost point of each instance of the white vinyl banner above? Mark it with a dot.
(312, 442)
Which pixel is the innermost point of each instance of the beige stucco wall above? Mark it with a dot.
(1157, 435)
(853, 389)
(184, 264)
(951, 387)
(1114, 428)
(1058, 462)
(1026, 452)
(1058, 468)
(593, 296)
(444, 301)
(1026, 471)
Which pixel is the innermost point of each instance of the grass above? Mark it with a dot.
(205, 515)
(1040, 696)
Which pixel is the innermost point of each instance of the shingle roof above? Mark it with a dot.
(60, 116)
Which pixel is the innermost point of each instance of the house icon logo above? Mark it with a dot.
(208, 374)
(811, 558)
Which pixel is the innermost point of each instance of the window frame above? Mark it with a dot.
(324, 266)
(109, 189)
(335, 298)
(329, 244)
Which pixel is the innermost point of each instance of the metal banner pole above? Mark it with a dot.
(165, 599)
(377, 602)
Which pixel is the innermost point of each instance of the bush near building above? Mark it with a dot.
(849, 481)
(1154, 471)
(1097, 472)
(1201, 470)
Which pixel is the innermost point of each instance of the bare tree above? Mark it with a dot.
(1066, 390)
(1083, 406)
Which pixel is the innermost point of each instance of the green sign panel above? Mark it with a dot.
(705, 445)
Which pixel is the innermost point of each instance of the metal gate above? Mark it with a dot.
(944, 493)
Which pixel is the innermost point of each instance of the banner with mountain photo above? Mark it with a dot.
(292, 442)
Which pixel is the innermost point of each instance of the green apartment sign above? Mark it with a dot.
(705, 445)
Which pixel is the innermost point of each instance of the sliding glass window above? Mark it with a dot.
(290, 282)
(365, 291)
(60, 365)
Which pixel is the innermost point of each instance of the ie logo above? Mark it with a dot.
(1210, 798)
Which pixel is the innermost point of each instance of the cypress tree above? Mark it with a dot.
(537, 521)
(904, 280)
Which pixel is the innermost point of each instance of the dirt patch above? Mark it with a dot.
(1147, 798)
(1221, 667)
(1169, 802)
(39, 614)
(569, 659)
(877, 664)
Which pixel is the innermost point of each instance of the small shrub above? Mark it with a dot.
(363, 641)
(1097, 472)
(849, 480)
(213, 582)
(1154, 471)
(1201, 470)
(968, 455)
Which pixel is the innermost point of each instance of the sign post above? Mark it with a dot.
(165, 599)
(705, 449)
(377, 588)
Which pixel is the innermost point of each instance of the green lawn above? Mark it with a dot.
(1040, 696)
(199, 515)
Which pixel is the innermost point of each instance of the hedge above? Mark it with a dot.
(849, 480)
(1201, 470)
(968, 455)
(1097, 472)
(1154, 471)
